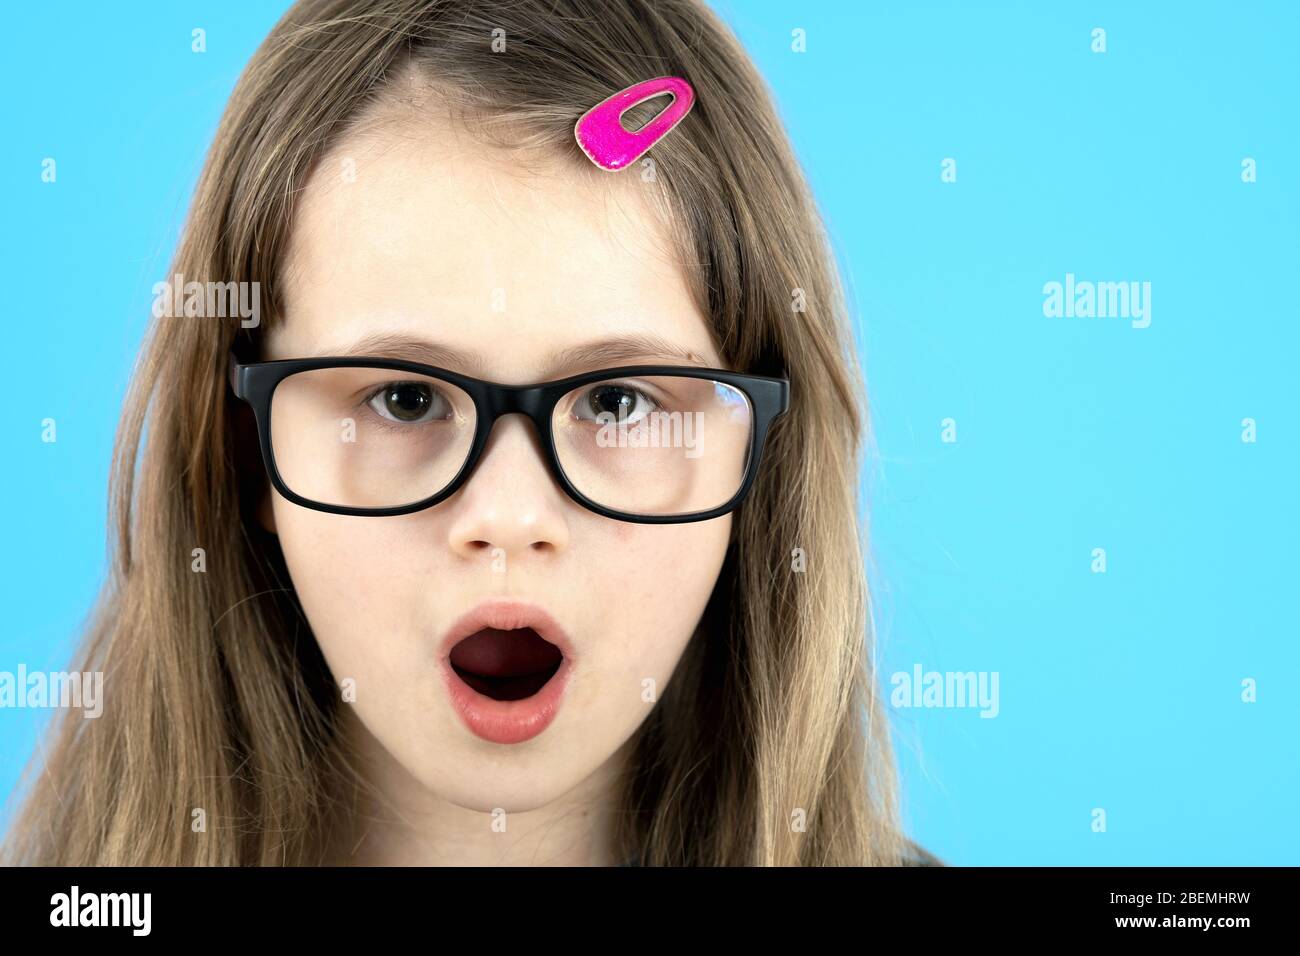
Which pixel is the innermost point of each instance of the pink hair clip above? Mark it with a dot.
(600, 131)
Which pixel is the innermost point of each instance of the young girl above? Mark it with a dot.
(376, 600)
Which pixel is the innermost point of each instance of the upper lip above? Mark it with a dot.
(506, 614)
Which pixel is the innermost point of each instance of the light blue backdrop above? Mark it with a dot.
(1118, 690)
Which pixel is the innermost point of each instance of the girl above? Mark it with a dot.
(374, 597)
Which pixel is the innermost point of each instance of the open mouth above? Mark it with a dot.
(506, 664)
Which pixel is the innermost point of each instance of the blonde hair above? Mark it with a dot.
(773, 717)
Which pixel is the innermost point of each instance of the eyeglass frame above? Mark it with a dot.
(255, 383)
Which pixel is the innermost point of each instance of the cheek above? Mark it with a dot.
(352, 577)
(656, 582)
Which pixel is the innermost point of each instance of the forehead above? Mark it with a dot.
(421, 230)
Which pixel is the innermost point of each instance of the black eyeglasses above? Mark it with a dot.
(654, 444)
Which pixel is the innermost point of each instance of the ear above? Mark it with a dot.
(265, 509)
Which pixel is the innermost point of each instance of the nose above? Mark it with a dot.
(511, 501)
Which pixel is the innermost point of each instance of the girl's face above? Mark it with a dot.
(423, 233)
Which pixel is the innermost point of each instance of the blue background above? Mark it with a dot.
(1118, 690)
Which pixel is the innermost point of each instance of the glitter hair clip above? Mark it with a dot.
(600, 131)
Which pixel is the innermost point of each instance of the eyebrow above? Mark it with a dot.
(594, 354)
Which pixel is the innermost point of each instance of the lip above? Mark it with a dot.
(506, 721)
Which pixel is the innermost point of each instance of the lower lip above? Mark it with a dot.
(506, 721)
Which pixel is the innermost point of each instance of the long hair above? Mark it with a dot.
(770, 747)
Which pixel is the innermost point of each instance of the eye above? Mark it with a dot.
(621, 404)
(408, 403)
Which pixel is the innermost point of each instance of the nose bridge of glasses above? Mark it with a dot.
(527, 400)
